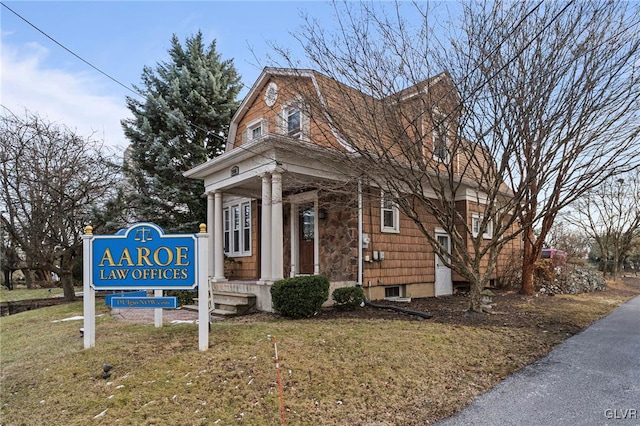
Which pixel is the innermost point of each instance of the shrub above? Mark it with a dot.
(185, 297)
(299, 297)
(348, 298)
(511, 278)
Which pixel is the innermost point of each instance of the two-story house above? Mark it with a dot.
(282, 202)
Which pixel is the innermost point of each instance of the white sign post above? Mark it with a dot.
(203, 289)
(88, 293)
(157, 313)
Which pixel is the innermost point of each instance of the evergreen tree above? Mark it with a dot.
(182, 121)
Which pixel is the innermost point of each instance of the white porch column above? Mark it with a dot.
(218, 255)
(265, 233)
(316, 238)
(277, 266)
(293, 231)
(210, 227)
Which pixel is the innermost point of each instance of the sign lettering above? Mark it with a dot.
(144, 302)
(143, 257)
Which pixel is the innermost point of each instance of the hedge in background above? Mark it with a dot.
(185, 297)
(348, 298)
(299, 297)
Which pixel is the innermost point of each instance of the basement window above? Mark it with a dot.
(396, 293)
(392, 292)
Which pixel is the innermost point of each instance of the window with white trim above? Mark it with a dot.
(389, 214)
(476, 224)
(293, 122)
(237, 229)
(441, 142)
(254, 129)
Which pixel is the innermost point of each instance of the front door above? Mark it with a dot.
(443, 285)
(306, 219)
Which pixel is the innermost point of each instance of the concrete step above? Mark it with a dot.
(227, 307)
(223, 309)
(228, 298)
(190, 307)
(223, 313)
(231, 304)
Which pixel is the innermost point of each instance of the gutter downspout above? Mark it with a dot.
(360, 228)
(424, 315)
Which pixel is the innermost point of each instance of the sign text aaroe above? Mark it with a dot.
(143, 257)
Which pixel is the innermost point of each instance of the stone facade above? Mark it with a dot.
(339, 245)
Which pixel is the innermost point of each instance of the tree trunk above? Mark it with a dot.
(475, 298)
(28, 278)
(65, 274)
(7, 279)
(615, 266)
(66, 278)
(43, 278)
(528, 262)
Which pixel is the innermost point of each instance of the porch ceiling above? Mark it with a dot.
(291, 182)
(240, 171)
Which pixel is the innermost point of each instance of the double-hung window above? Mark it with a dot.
(256, 132)
(390, 216)
(254, 129)
(237, 229)
(476, 224)
(294, 124)
(441, 142)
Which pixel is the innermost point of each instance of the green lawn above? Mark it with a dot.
(334, 371)
(23, 293)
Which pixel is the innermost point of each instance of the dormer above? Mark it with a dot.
(273, 108)
(429, 112)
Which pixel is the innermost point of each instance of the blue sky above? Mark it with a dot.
(120, 38)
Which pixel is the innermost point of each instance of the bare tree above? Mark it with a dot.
(574, 242)
(51, 179)
(538, 104)
(610, 216)
(565, 90)
(633, 255)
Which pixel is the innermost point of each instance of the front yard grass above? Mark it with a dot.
(20, 292)
(335, 371)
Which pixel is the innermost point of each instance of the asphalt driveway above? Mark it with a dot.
(593, 378)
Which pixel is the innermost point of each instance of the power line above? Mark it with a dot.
(73, 53)
(137, 93)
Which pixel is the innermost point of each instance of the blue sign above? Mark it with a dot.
(144, 302)
(108, 297)
(143, 257)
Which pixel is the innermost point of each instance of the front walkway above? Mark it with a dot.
(147, 315)
(593, 378)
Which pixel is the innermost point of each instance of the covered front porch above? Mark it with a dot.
(266, 222)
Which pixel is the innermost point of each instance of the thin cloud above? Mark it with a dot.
(77, 100)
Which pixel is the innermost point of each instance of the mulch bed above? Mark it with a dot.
(453, 309)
